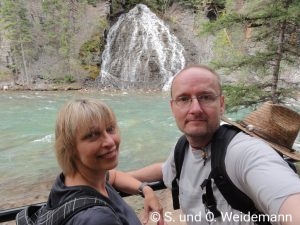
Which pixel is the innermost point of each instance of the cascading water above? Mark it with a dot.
(140, 52)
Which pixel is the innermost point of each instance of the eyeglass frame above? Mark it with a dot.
(199, 98)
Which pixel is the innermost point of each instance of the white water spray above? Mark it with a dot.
(140, 52)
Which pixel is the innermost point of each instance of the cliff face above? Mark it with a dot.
(4, 52)
(182, 26)
(45, 62)
(182, 23)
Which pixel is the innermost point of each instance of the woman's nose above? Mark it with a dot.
(108, 139)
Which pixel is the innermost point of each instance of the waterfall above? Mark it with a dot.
(140, 52)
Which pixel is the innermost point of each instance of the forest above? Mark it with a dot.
(260, 39)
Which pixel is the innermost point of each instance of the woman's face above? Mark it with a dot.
(97, 147)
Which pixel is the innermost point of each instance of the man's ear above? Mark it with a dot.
(172, 105)
(222, 101)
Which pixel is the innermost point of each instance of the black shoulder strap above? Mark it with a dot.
(59, 216)
(235, 198)
(179, 152)
(220, 141)
(28, 215)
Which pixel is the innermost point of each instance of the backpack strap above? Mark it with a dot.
(235, 198)
(59, 216)
(179, 152)
(28, 215)
(220, 141)
(208, 198)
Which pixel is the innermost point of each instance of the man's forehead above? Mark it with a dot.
(194, 70)
(193, 73)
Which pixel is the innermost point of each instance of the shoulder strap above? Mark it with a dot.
(59, 216)
(220, 141)
(235, 198)
(28, 215)
(179, 152)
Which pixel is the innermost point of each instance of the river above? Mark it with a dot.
(27, 162)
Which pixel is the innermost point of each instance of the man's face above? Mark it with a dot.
(194, 119)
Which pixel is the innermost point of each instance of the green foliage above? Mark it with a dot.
(17, 28)
(57, 25)
(5, 75)
(224, 21)
(202, 4)
(14, 20)
(88, 51)
(69, 79)
(258, 37)
(93, 2)
(247, 95)
(241, 94)
(51, 32)
(92, 46)
(93, 70)
(157, 5)
(66, 79)
(60, 23)
(191, 4)
(92, 49)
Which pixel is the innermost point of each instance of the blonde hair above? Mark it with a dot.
(75, 115)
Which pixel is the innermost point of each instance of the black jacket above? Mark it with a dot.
(118, 211)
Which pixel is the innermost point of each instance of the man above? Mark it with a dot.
(198, 104)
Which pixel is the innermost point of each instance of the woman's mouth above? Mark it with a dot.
(109, 154)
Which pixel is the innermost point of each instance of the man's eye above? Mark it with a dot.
(205, 97)
(183, 99)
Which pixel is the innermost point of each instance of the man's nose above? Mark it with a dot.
(195, 105)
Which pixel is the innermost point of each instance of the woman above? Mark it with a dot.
(87, 140)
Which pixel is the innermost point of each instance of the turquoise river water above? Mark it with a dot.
(27, 160)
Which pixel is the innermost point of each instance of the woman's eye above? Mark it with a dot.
(111, 129)
(92, 135)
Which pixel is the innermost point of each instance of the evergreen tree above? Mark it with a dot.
(60, 27)
(270, 40)
(17, 28)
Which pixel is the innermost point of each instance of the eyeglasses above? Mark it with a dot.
(203, 100)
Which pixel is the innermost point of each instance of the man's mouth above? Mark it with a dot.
(195, 120)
